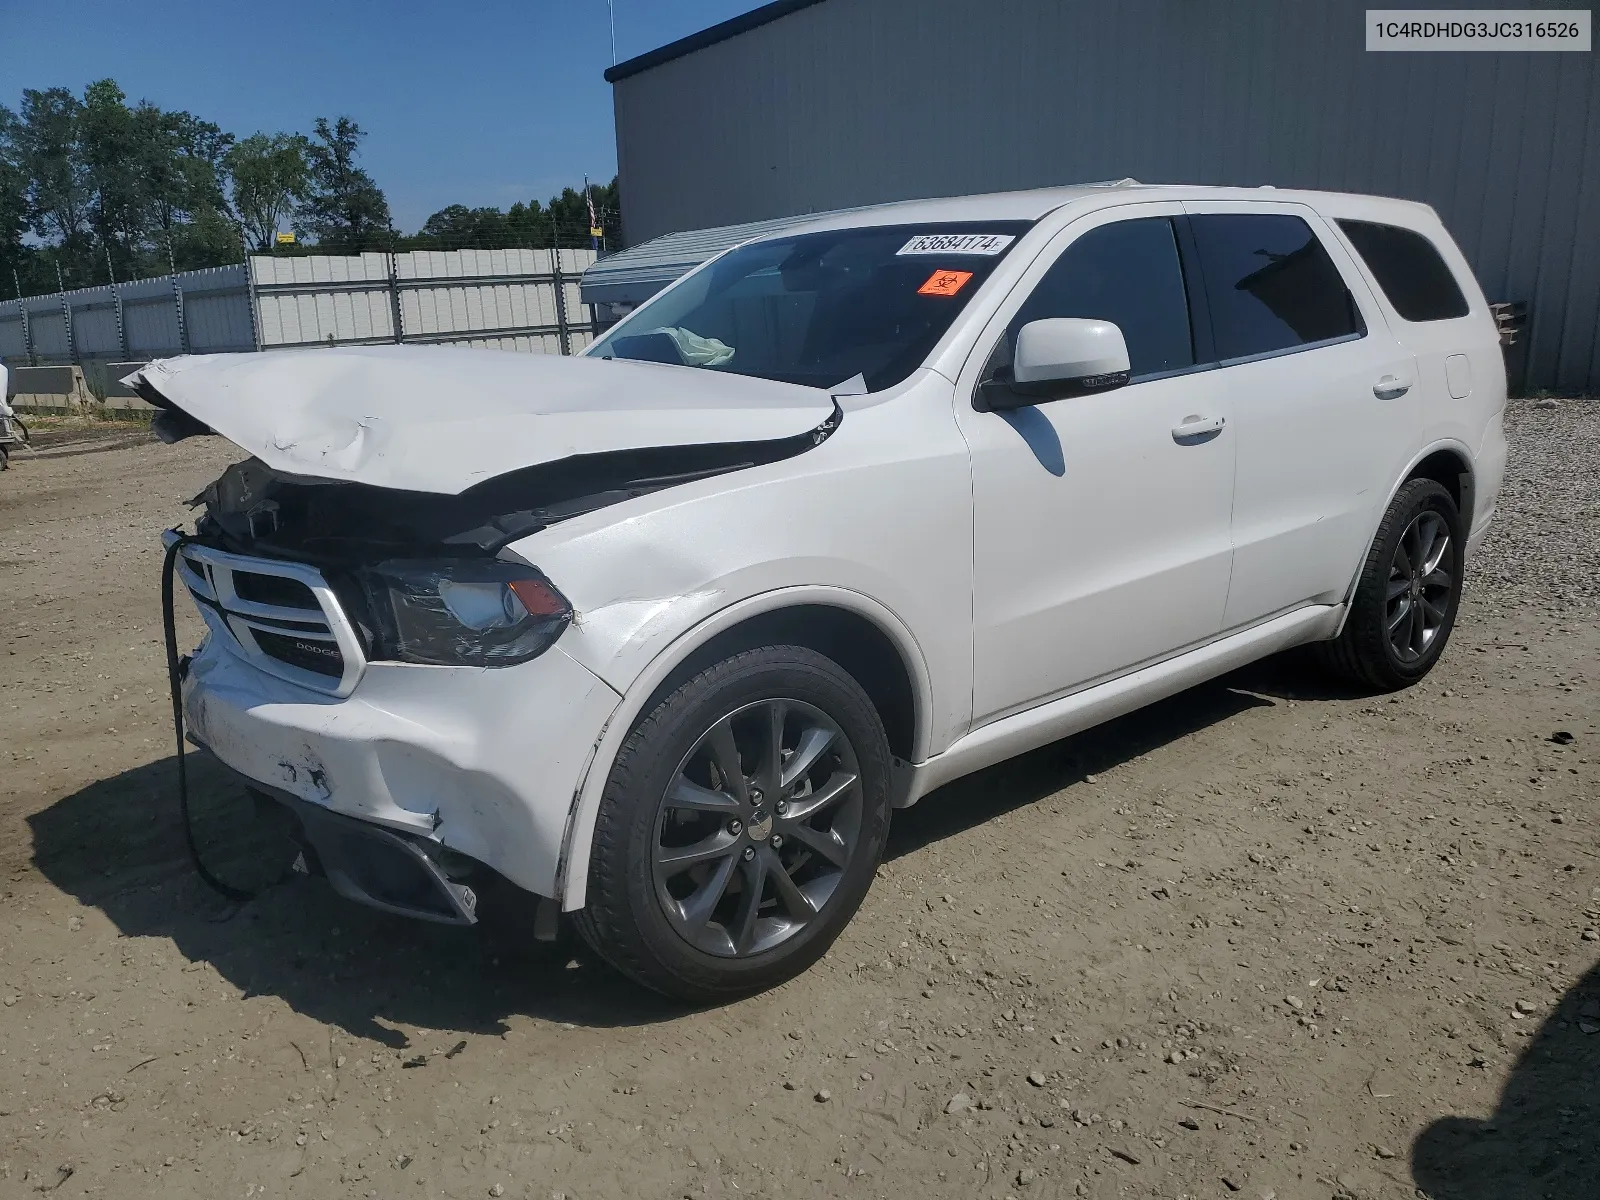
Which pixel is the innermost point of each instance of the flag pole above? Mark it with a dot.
(594, 225)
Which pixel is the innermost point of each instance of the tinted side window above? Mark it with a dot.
(1127, 273)
(1409, 270)
(1270, 283)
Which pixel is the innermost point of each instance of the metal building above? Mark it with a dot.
(807, 105)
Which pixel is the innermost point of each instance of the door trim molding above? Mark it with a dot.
(1056, 719)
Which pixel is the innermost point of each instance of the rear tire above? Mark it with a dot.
(705, 883)
(1405, 602)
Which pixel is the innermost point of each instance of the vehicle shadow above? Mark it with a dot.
(1031, 777)
(1294, 675)
(1540, 1142)
(118, 845)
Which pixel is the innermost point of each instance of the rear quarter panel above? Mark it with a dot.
(1470, 422)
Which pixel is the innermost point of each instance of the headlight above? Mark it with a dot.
(468, 613)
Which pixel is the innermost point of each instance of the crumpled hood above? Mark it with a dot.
(441, 419)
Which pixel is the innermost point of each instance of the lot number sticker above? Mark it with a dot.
(957, 243)
(944, 283)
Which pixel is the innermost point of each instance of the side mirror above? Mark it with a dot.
(1058, 357)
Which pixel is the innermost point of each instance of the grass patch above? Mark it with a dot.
(109, 419)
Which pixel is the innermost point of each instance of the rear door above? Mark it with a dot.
(1324, 400)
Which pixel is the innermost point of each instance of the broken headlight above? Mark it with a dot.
(468, 613)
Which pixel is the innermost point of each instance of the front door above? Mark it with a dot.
(1101, 522)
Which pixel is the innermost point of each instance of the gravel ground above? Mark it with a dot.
(1545, 551)
(1265, 938)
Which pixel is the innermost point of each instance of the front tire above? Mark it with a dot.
(1405, 602)
(740, 827)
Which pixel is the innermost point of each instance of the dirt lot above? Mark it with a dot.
(1265, 938)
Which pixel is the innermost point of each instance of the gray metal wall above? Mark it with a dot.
(216, 318)
(860, 101)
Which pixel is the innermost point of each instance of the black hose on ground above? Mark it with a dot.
(175, 671)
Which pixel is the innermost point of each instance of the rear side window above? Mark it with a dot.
(1270, 284)
(1127, 273)
(1409, 269)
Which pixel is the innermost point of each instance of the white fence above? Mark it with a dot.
(509, 299)
(523, 300)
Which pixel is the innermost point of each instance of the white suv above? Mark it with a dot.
(663, 633)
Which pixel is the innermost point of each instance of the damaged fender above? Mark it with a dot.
(572, 874)
(655, 579)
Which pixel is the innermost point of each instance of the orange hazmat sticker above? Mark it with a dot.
(944, 283)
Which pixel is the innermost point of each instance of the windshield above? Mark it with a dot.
(820, 308)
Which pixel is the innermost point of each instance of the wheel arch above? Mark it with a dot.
(1447, 462)
(866, 638)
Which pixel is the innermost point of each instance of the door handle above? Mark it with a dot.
(1391, 387)
(1194, 429)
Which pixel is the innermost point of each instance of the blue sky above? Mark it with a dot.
(482, 102)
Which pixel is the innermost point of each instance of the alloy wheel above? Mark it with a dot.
(1420, 586)
(757, 828)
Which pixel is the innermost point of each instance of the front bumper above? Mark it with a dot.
(376, 866)
(481, 761)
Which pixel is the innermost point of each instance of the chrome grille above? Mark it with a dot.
(280, 616)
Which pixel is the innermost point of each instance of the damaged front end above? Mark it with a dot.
(395, 872)
(252, 504)
(399, 475)
(313, 586)
(416, 577)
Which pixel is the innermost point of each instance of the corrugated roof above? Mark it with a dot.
(733, 27)
(634, 275)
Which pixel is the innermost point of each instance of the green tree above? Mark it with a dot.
(459, 225)
(182, 178)
(58, 191)
(269, 176)
(564, 221)
(108, 146)
(571, 210)
(345, 210)
(527, 224)
(90, 183)
(210, 238)
(15, 255)
(155, 183)
(116, 188)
